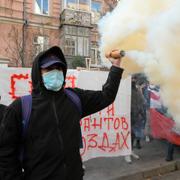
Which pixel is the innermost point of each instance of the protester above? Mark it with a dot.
(163, 110)
(146, 94)
(141, 85)
(170, 151)
(137, 113)
(51, 145)
(144, 88)
(171, 146)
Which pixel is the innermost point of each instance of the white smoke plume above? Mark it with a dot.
(149, 32)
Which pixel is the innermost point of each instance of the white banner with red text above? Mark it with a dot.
(104, 134)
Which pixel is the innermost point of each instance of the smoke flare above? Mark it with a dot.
(149, 31)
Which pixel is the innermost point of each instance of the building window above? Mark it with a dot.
(72, 30)
(42, 7)
(96, 9)
(83, 31)
(84, 5)
(83, 46)
(95, 56)
(72, 4)
(70, 46)
(76, 45)
(96, 6)
(77, 4)
(86, 46)
(41, 43)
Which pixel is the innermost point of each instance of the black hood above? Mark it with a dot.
(37, 82)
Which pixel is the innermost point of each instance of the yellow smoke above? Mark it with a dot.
(149, 31)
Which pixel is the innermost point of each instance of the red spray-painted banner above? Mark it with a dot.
(106, 133)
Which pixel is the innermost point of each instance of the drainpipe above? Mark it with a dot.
(25, 23)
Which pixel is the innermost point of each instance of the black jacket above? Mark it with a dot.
(53, 135)
(2, 109)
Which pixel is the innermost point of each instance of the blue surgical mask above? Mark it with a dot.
(53, 80)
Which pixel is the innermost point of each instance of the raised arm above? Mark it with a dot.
(93, 101)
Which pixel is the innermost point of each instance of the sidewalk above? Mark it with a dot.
(152, 162)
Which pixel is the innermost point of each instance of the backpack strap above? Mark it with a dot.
(26, 102)
(26, 106)
(75, 99)
(77, 102)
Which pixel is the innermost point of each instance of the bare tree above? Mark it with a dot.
(15, 48)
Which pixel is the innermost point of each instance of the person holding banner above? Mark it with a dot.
(52, 139)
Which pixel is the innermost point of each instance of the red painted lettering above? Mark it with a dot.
(125, 140)
(71, 81)
(117, 123)
(125, 125)
(92, 143)
(110, 110)
(97, 124)
(105, 142)
(108, 120)
(14, 78)
(116, 145)
(86, 123)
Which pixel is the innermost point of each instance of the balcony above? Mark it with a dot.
(75, 18)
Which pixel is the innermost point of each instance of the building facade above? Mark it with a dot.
(30, 26)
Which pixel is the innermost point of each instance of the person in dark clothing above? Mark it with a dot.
(2, 109)
(51, 145)
(137, 110)
(170, 146)
(170, 151)
(146, 93)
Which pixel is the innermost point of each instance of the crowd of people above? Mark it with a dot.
(140, 115)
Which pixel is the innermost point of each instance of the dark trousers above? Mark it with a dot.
(170, 152)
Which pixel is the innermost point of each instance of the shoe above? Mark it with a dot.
(147, 139)
(138, 145)
(128, 159)
(169, 158)
(84, 167)
(135, 155)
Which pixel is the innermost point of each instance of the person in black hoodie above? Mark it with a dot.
(51, 145)
(2, 109)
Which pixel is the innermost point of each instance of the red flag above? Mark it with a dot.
(162, 127)
(154, 96)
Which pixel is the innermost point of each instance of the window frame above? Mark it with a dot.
(43, 45)
(72, 38)
(85, 51)
(95, 1)
(77, 6)
(42, 5)
(96, 15)
(96, 53)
